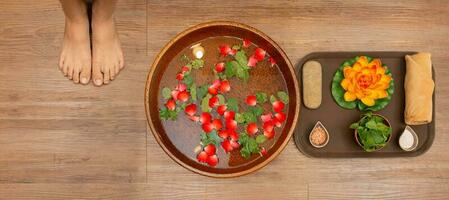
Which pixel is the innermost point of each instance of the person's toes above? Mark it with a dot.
(65, 68)
(61, 62)
(121, 62)
(85, 74)
(117, 68)
(106, 76)
(70, 72)
(112, 72)
(76, 75)
(97, 76)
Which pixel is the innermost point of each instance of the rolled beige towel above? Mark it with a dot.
(419, 87)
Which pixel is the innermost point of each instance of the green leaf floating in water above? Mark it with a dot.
(242, 59)
(233, 104)
(249, 145)
(166, 93)
(261, 139)
(193, 92)
(256, 110)
(283, 96)
(210, 138)
(230, 69)
(261, 97)
(338, 92)
(202, 91)
(221, 99)
(205, 103)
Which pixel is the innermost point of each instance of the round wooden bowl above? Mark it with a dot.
(356, 135)
(175, 138)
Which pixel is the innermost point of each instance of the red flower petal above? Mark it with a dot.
(205, 117)
(183, 96)
(213, 101)
(190, 109)
(229, 114)
(231, 124)
(224, 49)
(217, 124)
(223, 133)
(212, 91)
(266, 117)
(202, 157)
(181, 87)
(263, 151)
(251, 129)
(221, 109)
(280, 116)
(174, 94)
(276, 122)
(259, 54)
(227, 147)
(179, 76)
(246, 43)
(272, 61)
(233, 52)
(251, 100)
(207, 127)
(185, 69)
(278, 106)
(219, 67)
(252, 61)
(268, 126)
(210, 149)
(194, 118)
(233, 135)
(212, 160)
(269, 134)
(216, 84)
(234, 144)
(170, 104)
(225, 86)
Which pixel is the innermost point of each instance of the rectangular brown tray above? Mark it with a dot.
(337, 119)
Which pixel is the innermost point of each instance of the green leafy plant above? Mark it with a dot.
(167, 114)
(233, 104)
(249, 145)
(338, 91)
(372, 131)
(210, 138)
(238, 67)
(262, 97)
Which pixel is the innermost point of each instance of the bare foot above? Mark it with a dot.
(107, 55)
(75, 59)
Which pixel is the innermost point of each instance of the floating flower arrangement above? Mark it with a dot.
(223, 121)
(363, 82)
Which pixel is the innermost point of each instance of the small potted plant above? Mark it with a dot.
(372, 132)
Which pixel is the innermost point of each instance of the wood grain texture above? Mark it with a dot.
(53, 131)
(64, 141)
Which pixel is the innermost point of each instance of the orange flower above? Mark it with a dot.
(366, 81)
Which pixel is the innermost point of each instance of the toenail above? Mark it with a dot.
(84, 80)
(98, 81)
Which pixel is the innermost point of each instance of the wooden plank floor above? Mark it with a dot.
(59, 140)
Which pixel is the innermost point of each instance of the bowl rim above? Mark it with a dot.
(356, 135)
(291, 71)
